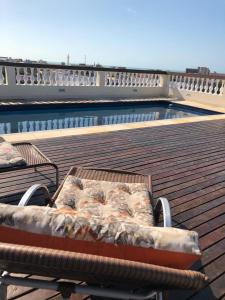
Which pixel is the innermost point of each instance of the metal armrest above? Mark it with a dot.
(30, 192)
(163, 203)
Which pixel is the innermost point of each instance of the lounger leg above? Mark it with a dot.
(56, 173)
(3, 287)
(3, 291)
(57, 176)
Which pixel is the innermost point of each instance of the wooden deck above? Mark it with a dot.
(188, 166)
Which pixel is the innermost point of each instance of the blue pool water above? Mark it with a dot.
(27, 119)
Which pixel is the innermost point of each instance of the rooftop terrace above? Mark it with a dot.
(186, 157)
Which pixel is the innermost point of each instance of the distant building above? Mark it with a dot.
(191, 70)
(16, 60)
(199, 70)
(10, 59)
(41, 61)
(3, 58)
(203, 70)
(29, 61)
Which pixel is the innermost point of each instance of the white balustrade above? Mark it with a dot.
(68, 77)
(52, 77)
(63, 77)
(197, 84)
(128, 79)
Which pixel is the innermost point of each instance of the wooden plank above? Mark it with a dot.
(213, 252)
(214, 214)
(199, 207)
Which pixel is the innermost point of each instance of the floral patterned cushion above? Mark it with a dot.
(10, 156)
(106, 201)
(67, 223)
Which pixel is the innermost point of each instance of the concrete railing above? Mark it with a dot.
(35, 81)
(208, 89)
(207, 85)
(45, 81)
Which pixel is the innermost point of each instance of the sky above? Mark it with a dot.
(157, 34)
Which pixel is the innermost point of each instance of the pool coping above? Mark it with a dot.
(28, 136)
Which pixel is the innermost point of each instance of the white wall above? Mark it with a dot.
(204, 98)
(66, 92)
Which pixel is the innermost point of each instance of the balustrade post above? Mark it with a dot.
(164, 81)
(10, 76)
(100, 78)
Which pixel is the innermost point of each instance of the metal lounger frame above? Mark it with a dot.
(34, 158)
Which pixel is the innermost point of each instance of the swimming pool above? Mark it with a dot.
(36, 118)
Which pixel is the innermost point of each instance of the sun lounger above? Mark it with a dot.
(24, 155)
(100, 227)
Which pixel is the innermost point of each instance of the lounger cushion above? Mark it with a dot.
(107, 202)
(10, 156)
(82, 232)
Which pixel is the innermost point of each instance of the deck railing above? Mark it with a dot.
(205, 89)
(31, 81)
(61, 75)
(197, 83)
(54, 77)
(48, 81)
(127, 79)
